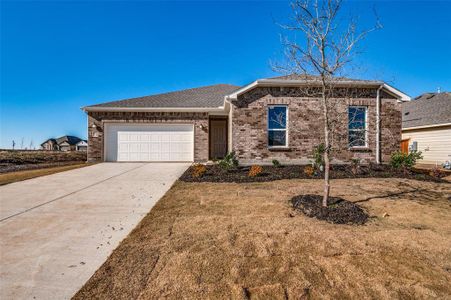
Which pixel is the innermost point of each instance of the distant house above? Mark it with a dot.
(81, 146)
(65, 143)
(50, 145)
(426, 127)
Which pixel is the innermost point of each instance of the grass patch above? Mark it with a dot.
(238, 241)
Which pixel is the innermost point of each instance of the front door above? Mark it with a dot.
(405, 146)
(218, 138)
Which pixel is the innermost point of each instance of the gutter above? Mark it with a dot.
(426, 126)
(152, 109)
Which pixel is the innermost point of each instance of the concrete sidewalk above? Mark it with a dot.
(57, 230)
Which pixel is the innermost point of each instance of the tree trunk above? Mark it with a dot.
(326, 148)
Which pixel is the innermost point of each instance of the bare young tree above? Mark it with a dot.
(327, 47)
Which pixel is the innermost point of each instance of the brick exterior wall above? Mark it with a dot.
(305, 128)
(96, 132)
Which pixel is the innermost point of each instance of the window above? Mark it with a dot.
(357, 123)
(277, 126)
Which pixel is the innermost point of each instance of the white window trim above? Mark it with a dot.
(279, 129)
(366, 127)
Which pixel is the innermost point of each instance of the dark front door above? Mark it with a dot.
(218, 138)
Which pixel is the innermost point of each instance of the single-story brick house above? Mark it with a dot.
(273, 118)
(65, 143)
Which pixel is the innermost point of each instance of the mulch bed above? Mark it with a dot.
(214, 173)
(338, 211)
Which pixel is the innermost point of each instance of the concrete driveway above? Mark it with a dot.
(57, 230)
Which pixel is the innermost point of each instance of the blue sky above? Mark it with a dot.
(59, 56)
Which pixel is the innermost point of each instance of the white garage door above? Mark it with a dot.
(145, 142)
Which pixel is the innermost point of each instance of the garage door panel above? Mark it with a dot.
(145, 147)
(123, 138)
(165, 137)
(134, 137)
(165, 146)
(144, 142)
(144, 137)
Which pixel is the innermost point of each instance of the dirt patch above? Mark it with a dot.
(338, 211)
(214, 173)
(20, 160)
(10, 177)
(230, 241)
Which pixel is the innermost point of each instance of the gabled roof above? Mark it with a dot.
(71, 140)
(48, 140)
(430, 109)
(211, 96)
(307, 80)
(316, 79)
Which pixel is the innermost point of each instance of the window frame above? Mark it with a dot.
(278, 129)
(365, 129)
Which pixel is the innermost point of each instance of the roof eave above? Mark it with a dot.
(152, 109)
(402, 96)
(281, 82)
(425, 126)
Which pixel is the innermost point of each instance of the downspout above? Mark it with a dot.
(378, 125)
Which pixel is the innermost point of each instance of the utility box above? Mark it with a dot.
(413, 147)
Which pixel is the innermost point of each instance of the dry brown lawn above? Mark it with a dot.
(243, 241)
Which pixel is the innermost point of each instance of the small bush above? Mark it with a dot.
(318, 156)
(198, 170)
(355, 166)
(276, 163)
(437, 173)
(229, 161)
(309, 170)
(255, 170)
(400, 160)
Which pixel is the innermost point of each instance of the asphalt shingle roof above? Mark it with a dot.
(427, 109)
(71, 140)
(207, 96)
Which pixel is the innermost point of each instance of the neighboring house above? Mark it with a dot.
(65, 143)
(81, 146)
(274, 118)
(426, 127)
(50, 145)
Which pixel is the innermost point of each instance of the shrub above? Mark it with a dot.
(229, 161)
(255, 170)
(198, 170)
(318, 155)
(436, 172)
(402, 160)
(355, 165)
(276, 163)
(309, 170)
